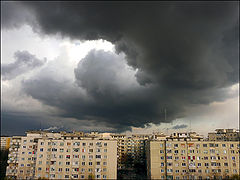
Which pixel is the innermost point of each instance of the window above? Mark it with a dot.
(199, 164)
(82, 176)
(40, 155)
(67, 163)
(76, 149)
(169, 157)
(206, 164)
(61, 150)
(67, 156)
(98, 150)
(98, 176)
(67, 169)
(76, 169)
(162, 164)
(75, 175)
(75, 163)
(61, 143)
(42, 143)
(83, 163)
(183, 164)
(60, 156)
(105, 144)
(204, 145)
(104, 176)
(84, 144)
(161, 151)
(39, 169)
(75, 156)
(66, 176)
(90, 150)
(98, 156)
(105, 157)
(104, 169)
(39, 162)
(105, 150)
(59, 169)
(90, 163)
(90, 144)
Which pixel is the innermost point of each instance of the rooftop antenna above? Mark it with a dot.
(165, 113)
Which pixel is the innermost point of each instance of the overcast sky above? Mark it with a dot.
(120, 66)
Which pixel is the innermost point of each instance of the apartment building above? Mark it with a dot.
(65, 156)
(191, 158)
(5, 142)
(130, 149)
(224, 135)
(13, 157)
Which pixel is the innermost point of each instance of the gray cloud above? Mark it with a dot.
(106, 91)
(181, 126)
(24, 62)
(185, 54)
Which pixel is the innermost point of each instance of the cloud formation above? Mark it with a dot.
(182, 54)
(24, 62)
(181, 126)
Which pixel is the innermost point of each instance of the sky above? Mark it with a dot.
(120, 67)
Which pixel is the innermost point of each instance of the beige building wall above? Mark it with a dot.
(65, 156)
(76, 159)
(192, 159)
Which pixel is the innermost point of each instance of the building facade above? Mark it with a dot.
(192, 159)
(13, 157)
(65, 156)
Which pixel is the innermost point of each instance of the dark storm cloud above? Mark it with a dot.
(181, 126)
(24, 62)
(14, 14)
(106, 91)
(185, 54)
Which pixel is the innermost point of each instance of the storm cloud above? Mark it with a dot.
(24, 62)
(177, 55)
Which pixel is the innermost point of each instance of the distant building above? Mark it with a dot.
(224, 135)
